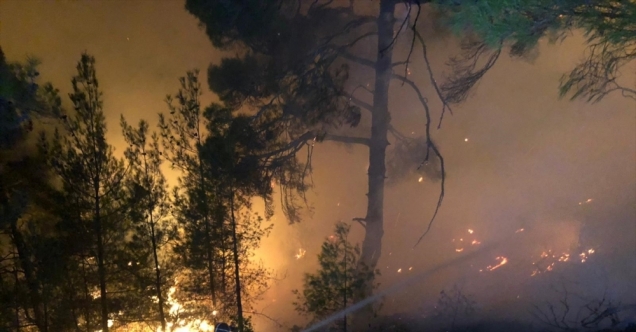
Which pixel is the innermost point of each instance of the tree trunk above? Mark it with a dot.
(87, 296)
(208, 230)
(239, 303)
(380, 119)
(101, 269)
(29, 276)
(162, 316)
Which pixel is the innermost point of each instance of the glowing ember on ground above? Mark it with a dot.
(547, 260)
(502, 261)
(475, 242)
(470, 231)
(301, 253)
(399, 270)
(459, 249)
(519, 230)
(420, 179)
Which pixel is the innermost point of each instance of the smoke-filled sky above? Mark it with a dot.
(517, 157)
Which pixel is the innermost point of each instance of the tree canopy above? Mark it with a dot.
(609, 27)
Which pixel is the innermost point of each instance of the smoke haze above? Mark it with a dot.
(517, 158)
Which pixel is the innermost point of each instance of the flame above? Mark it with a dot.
(301, 253)
(502, 261)
(548, 260)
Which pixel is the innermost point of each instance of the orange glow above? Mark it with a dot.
(502, 261)
(301, 253)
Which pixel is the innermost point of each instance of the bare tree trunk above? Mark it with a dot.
(101, 268)
(162, 316)
(380, 119)
(87, 297)
(16, 289)
(208, 237)
(210, 260)
(237, 277)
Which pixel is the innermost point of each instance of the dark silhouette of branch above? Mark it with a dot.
(398, 33)
(361, 221)
(430, 145)
(359, 102)
(347, 139)
(414, 29)
(358, 60)
(465, 73)
(445, 105)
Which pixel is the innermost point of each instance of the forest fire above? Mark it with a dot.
(548, 260)
(167, 224)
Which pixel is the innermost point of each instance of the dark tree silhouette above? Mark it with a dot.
(291, 70)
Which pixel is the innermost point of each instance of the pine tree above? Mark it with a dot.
(149, 193)
(492, 25)
(292, 73)
(93, 179)
(27, 200)
(197, 208)
(338, 281)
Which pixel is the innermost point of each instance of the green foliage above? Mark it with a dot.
(609, 26)
(340, 279)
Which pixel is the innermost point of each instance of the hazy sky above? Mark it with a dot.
(529, 160)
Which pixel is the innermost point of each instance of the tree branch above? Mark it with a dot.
(445, 106)
(359, 102)
(430, 145)
(348, 139)
(358, 60)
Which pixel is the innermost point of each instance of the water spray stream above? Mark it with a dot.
(399, 286)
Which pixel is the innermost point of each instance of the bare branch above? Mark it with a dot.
(361, 221)
(359, 102)
(445, 106)
(358, 60)
(430, 145)
(413, 28)
(398, 33)
(347, 139)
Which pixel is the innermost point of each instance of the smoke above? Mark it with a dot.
(517, 157)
